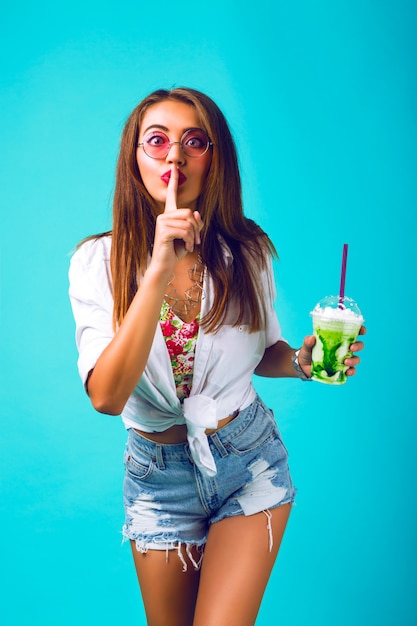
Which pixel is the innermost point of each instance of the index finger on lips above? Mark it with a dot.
(171, 197)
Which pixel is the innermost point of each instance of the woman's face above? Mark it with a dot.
(173, 119)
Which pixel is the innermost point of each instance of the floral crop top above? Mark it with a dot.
(180, 339)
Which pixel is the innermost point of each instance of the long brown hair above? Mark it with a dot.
(134, 214)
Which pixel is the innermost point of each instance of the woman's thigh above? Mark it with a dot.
(168, 590)
(237, 563)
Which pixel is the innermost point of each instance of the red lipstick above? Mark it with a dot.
(181, 178)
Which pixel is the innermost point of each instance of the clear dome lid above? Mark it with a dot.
(335, 307)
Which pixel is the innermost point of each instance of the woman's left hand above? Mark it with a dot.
(304, 357)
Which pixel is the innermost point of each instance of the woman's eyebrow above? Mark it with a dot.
(156, 126)
(166, 130)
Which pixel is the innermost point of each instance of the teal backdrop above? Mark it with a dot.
(321, 98)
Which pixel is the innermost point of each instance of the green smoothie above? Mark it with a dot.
(335, 329)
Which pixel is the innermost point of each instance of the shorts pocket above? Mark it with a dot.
(261, 429)
(138, 466)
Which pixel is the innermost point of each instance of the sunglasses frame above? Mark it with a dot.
(180, 143)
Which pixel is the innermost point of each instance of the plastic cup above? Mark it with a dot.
(336, 325)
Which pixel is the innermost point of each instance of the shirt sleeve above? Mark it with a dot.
(273, 327)
(92, 302)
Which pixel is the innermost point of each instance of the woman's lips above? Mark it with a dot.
(181, 178)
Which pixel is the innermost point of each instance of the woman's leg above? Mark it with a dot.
(236, 567)
(168, 593)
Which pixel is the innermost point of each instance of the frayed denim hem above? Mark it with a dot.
(143, 546)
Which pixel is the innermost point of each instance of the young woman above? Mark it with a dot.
(174, 314)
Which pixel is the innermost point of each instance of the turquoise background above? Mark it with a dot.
(321, 98)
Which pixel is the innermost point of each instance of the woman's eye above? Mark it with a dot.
(156, 140)
(195, 142)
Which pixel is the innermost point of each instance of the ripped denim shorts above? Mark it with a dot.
(169, 502)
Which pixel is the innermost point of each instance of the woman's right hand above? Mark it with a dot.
(177, 230)
(123, 361)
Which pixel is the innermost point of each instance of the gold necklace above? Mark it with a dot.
(192, 296)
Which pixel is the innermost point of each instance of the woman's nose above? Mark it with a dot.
(175, 153)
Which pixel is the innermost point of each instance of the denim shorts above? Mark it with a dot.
(169, 502)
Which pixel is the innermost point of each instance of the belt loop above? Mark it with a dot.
(159, 457)
(220, 447)
(188, 452)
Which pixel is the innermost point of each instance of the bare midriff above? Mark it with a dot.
(178, 433)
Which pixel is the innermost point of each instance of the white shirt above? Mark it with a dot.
(224, 361)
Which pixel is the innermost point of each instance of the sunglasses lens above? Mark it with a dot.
(156, 145)
(195, 142)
